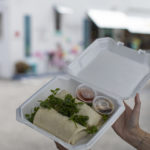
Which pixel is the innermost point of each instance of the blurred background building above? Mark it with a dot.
(41, 37)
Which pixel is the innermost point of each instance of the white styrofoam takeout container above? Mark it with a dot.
(110, 68)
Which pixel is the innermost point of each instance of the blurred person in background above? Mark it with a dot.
(56, 57)
(59, 56)
(127, 127)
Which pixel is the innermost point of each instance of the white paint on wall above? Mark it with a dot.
(5, 60)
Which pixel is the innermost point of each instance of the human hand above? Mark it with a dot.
(128, 123)
(127, 126)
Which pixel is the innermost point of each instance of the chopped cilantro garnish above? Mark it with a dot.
(45, 104)
(30, 117)
(90, 104)
(105, 117)
(92, 130)
(55, 91)
(80, 119)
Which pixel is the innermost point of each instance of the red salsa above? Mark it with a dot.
(85, 94)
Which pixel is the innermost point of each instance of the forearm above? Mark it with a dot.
(145, 142)
(139, 139)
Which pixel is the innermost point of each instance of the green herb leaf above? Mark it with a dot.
(90, 104)
(55, 91)
(82, 120)
(92, 130)
(30, 117)
(80, 103)
(105, 117)
(45, 104)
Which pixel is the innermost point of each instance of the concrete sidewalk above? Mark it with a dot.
(16, 136)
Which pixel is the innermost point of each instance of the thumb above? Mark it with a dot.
(137, 107)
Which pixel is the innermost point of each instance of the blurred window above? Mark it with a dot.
(1, 25)
(27, 32)
(58, 17)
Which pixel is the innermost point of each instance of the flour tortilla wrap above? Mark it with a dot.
(59, 125)
(85, 110)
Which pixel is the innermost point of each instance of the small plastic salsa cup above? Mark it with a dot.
(85, 93)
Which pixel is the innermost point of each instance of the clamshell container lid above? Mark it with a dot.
(113, 68)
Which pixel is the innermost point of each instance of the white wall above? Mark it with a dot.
(5, 58)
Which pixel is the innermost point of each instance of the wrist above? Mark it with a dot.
(135, 137)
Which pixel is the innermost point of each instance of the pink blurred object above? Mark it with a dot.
(38, 55)
(75, 50)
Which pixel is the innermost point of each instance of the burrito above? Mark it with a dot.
(59, 125)
(71, 130)
(85, 110)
